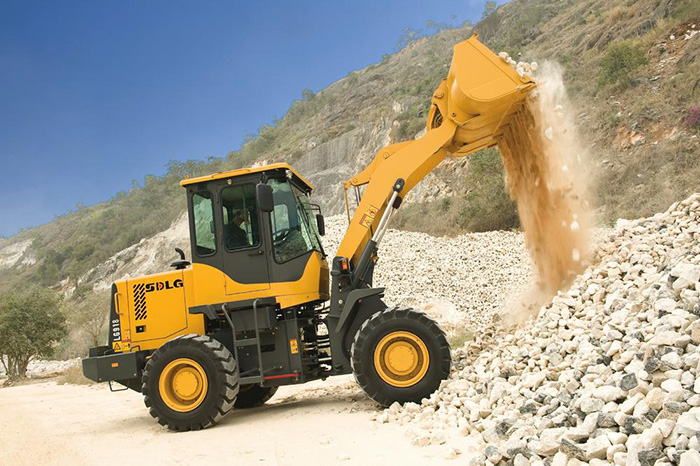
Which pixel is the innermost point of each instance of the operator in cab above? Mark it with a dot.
(236, 236)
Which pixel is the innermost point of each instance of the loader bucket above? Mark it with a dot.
(480, 95)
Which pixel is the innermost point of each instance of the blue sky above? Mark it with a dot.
(95, 94)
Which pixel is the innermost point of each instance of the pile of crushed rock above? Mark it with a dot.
(40, 368)
(461, 281)
(606, 373)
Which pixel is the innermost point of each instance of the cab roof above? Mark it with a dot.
(245, 171)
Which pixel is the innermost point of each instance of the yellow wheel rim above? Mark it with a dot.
(183, 385)
(401, 359)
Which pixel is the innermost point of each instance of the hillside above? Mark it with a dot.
(630, 66)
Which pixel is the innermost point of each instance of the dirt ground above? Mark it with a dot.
(318, 423)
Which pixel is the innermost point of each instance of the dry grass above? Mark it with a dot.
(74, 376)
(618, 14)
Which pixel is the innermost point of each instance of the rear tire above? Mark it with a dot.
(190, 383)
(253, 395)
(400, 355)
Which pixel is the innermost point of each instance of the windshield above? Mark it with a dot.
(293, 231)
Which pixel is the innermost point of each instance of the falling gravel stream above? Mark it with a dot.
(546, 175)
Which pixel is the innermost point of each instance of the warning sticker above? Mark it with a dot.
(293, 346)
(368, 217)
(121, 346)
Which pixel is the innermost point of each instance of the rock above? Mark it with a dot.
(687, 275)
(667, 338)
(671, 385)
(410, 408)
(649, 457)
(694, 443)
(606, 420)
(550, 440)
(520, 460)
(688, 423)
(635, 425)
(395, 407)
(628, 382)
(665, 426)
(450, 453)
(690, 458)
(421, 440)
(590, 405)
(665, 305)
(493, 454)
(607, 393)
(652, 364)
(695, 332)
(616, 437)
(620, 458)
(560, 459)
(572, 450)
(671, 361)
(612, 449)
(503, 427)
(629, 404)
(597, 447)
(655, 398)
(647, 441)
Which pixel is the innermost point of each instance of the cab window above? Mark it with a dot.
(203, 213)
(241, 226)
(293, 232)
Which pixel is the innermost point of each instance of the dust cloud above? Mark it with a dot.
(547, 176)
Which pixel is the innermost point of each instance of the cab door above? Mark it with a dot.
(245, 263)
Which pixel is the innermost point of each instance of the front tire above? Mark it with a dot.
(400, 355)
(190, 383)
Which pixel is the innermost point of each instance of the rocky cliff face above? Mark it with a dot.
(16, 255)
(330, 164)
(150, 255)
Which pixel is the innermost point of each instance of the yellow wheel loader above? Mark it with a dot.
(257, 307)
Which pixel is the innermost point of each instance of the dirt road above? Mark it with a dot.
(318, 423)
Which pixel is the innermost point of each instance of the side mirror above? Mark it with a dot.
(263, 197)
(321, 224)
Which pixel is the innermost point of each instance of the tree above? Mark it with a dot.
(307, 94)
(30, 324)
(489, 7)
(93, 315)
(407, 36)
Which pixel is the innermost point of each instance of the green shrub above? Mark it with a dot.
(619, 63)
(30, 324)
(407, 128)
(487, 205)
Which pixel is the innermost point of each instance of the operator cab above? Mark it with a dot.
(258, 227)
